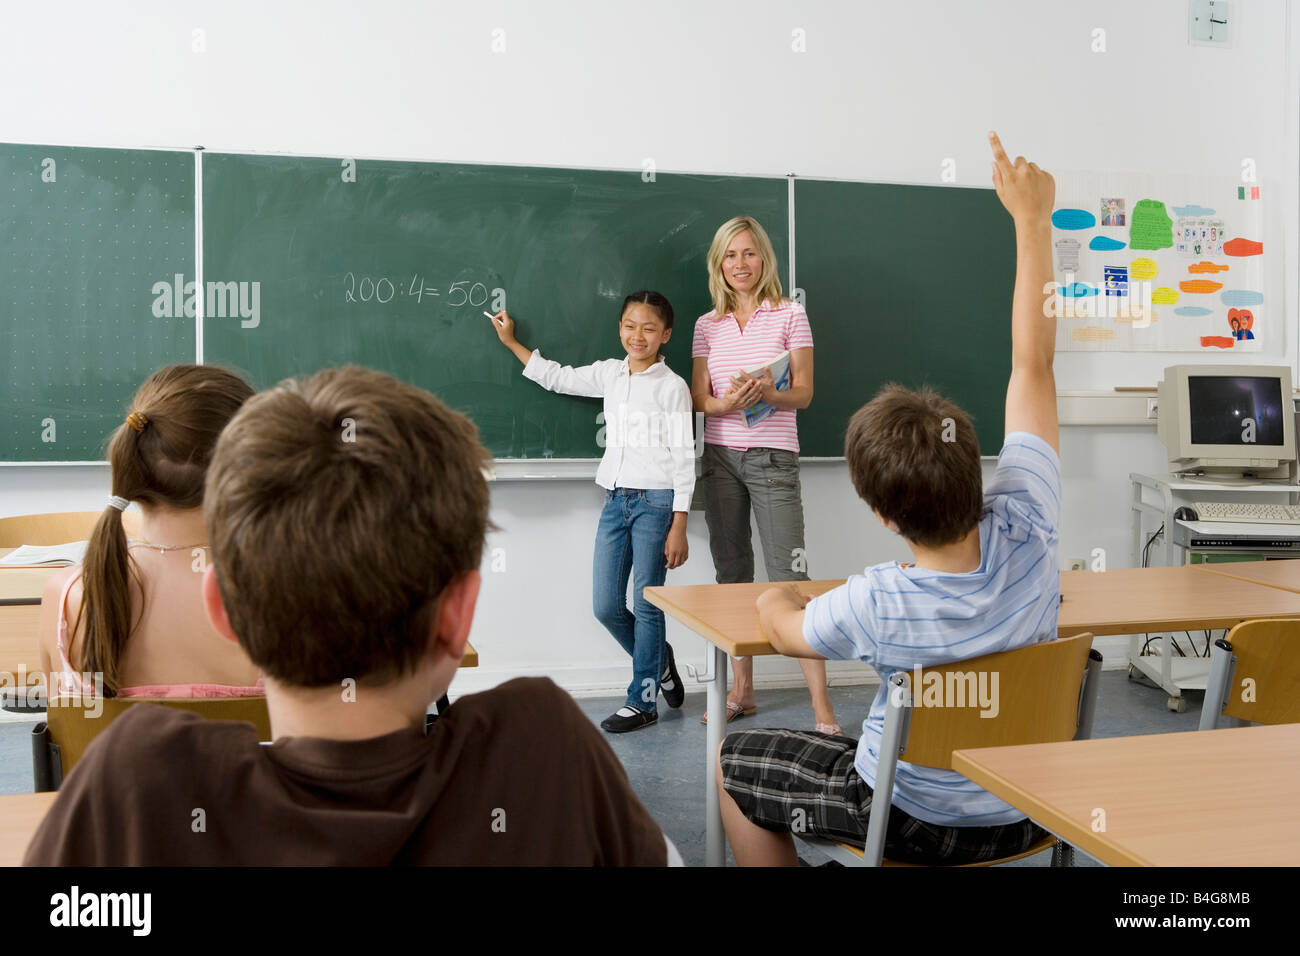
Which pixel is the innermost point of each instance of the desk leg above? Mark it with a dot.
(715, 853)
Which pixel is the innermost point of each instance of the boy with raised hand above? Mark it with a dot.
(346, 516)
(984, 579)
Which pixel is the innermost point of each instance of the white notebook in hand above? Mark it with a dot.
(779, 366)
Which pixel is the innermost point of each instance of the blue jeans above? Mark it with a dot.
(630, 540)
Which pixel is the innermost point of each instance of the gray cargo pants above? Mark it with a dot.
(766, 479)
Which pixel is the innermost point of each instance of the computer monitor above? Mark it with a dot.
(1228, 420)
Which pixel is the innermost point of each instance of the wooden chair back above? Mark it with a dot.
(72, 725)
(57, 528)
(1265, 687)
(1026, 696)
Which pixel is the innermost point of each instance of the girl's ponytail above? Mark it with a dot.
(106, 579)
(158, 456)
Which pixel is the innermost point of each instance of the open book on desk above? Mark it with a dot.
(45, 555)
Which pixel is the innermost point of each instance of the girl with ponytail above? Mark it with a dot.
(138, 621)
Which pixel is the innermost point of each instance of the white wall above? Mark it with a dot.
(885, 91)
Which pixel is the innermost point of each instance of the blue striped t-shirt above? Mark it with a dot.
(897, 618)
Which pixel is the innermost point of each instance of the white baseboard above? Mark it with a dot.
(1113, 650)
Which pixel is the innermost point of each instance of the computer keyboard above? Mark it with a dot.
(1246, 513)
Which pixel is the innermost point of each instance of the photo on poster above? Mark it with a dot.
(1112, 212)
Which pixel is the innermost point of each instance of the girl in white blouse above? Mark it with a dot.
(648, 473)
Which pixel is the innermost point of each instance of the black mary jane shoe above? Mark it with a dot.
(615, 724)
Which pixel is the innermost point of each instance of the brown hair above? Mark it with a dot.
(340, 507)
(158, 457)
(914, 458)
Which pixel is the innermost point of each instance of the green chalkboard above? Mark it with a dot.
(907, 284)
(85, 234)
(307, 265)
(395, 269)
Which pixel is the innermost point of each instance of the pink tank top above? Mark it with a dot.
(69, 682)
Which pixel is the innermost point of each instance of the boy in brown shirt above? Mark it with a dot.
(346, 515)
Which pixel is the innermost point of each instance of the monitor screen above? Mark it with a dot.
(1220, 404)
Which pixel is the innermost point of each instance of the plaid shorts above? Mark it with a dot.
(802, 781)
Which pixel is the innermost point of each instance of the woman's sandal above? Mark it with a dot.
(834, 730)
(734, 712)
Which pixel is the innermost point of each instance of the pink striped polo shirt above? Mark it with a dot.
(770, 331)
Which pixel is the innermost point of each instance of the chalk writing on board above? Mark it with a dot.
(383, 290)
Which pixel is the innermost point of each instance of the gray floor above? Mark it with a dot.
(665, 762)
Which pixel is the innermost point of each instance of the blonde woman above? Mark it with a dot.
(753, 466)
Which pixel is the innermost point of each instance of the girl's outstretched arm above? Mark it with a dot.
(590, 381)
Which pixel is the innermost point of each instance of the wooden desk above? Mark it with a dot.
(1142, 600)
(22, 585)
(1236, 805)
(724, 614)
(1275, 574)
(19, 625)
(1122, 601)
(20, 611)
(1160, 602)
(20, 815)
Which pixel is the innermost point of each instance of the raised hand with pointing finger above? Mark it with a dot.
(1026, 191)
(1028, 194)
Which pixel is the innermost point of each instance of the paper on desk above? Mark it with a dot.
(46, 555)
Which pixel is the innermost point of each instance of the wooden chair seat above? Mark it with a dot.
(1046, 843)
